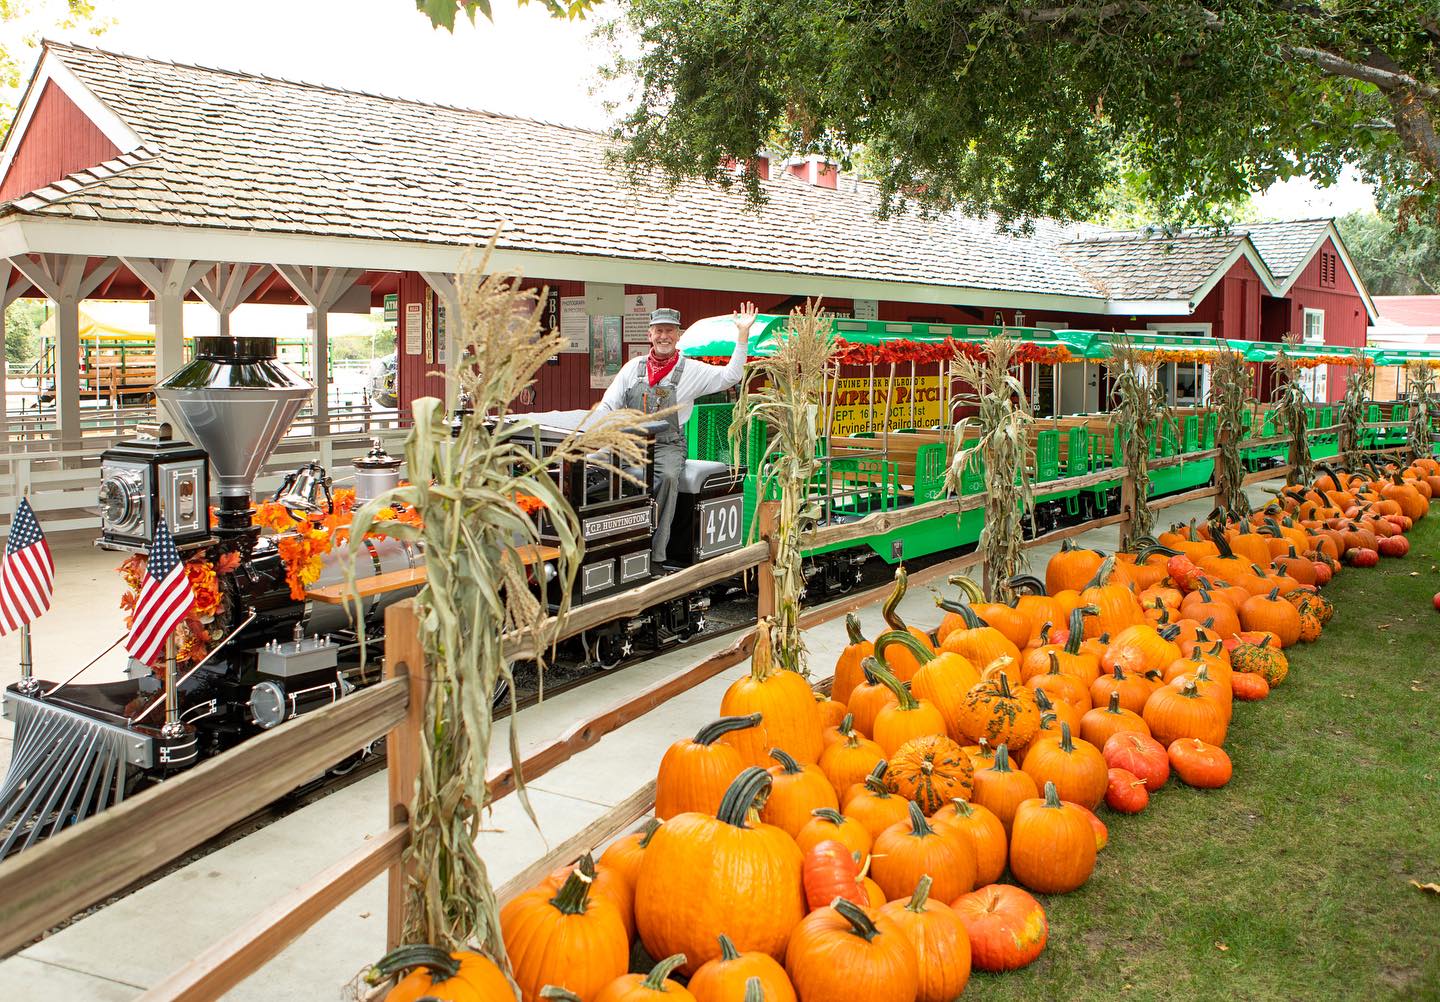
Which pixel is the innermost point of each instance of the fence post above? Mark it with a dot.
(404, 657)
(765, 573)
(1127, 507)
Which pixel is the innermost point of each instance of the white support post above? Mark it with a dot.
(64, 279)
(320, 288)
(448, 289)
(12, 286)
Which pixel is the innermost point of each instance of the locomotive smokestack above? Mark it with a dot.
(235, 401)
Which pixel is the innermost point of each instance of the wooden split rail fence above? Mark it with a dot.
(86, 864)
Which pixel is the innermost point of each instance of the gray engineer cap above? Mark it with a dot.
(665, 316)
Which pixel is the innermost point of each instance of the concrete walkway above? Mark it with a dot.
(116, 952)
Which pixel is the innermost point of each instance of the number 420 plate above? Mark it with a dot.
(720, 526)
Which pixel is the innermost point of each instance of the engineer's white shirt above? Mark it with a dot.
(697, 379)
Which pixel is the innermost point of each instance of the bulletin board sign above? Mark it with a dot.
(606, 350)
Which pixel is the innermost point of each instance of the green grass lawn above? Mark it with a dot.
(1292, 882)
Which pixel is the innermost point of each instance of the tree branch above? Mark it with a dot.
(1386, 80)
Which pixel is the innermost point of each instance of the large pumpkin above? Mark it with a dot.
(930, 770)
(703, 875)
(1052, 845)
(448, 977)
(845, 951)
(1272, 614)
(942, 946)
(725, 978)
(1007, 927)
(1172, 714)
(567, 938)
(1071, 568)
(1116, 603)
(695, 773)
(907, 851)
(1002, 789)
(789, 718)
(979, 642)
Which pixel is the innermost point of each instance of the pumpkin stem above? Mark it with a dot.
(1045, 632)
(905, 639)
(919, 827)
(889, 681)
(1052, 798)
(963, 808)
(1025, 584)
(1077, 627)
(763, 659)
(875, 782)
(442, 966)
(1114, 706)
(655, 980)
(746, 791)
(1044, 703)
(648, 832)
(921, 895)
(829, 814)
(1169, 632)
(970, 616)
(852, 629)
(574, 895)
(553, 994)
(788, 765)
(753, 991)
(1002, 759)
(1067, 743)
(860, 923)
(972, 590)
(1054, 663)
(847, 725)
(1103, 573)
(1274, 594)
(890, 610)
(727, 948)
(711, 732)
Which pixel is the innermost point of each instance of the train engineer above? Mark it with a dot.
(665, 381)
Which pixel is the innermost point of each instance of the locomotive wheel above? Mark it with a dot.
(609, 651)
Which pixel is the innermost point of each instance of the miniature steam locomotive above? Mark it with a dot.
(80, 747)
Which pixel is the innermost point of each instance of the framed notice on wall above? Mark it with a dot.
(414, 332)
(637, 317)
(574, 325)
(606, 350)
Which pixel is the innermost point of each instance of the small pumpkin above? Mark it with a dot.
(1101, 723)
(695, 773)
(796, 791)
(1052, 845)
(930, 770)
(986, 834)
(1007, 927)
(849, 760)
(728, 977)
(460, 976)
(830, 870)
(828, 825)
(907, 718)
(847, 665)
(566, 938)
(941, 944)
(846, 951)
(873, 805)
(999, 712)
(643, 987)
(907, 851)
(1249, 686)
(1075, 767)
(623, 856)
(1272, 614)
(1263, 657)
(1140, 755)
(1125, 792)
(1199, 763)
(1003, 789)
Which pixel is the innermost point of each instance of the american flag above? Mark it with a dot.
(165, 599)
(27, 575)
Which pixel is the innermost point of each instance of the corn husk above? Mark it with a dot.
(1420, 393)
(1290, 407)
(1352, 416)
(1135, 378)
(789, 400)
(1230, 386)
(998, 435)
(465, 477)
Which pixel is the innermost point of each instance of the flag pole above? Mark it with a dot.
(27, 684)
(173, 728)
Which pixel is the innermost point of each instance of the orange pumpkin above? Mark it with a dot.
(1052, 845)
(913, 848)
(695, 773)
(845, 951)
(566, 938)
(931, 770)
(725, 978)
(789, 718)
(941, 944)
(847, 666)
(986, 834)
(796, 791)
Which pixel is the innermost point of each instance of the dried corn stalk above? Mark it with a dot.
(789, 401)
(1290, 414)
(1230, 384)
(1002, 444)
(1352, 415)
(1135, 378)
(465, 482)
(1419, 392)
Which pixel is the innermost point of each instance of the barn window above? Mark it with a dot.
(1328, 266)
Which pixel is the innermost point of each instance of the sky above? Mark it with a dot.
(524, 63)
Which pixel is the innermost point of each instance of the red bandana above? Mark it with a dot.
(656, 370)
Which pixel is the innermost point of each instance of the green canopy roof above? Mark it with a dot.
(715, 336)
